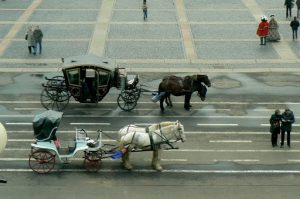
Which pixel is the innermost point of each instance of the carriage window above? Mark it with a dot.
(73, 76)
(103, 78)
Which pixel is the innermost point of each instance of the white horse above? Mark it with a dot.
(149, 139)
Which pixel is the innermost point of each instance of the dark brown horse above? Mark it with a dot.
(179, 86)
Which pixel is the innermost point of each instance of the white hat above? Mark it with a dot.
(264, 18)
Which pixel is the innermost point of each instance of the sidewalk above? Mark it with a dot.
(179, 36)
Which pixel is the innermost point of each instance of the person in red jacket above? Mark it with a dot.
(263, 30)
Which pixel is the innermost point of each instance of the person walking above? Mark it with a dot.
(287, 119)
(30, 40)
(273, 29)
(275, 127)
(298, 8)
(294, 25)
(289, 4)
(38, 36)
(145, 11)
(263, 30)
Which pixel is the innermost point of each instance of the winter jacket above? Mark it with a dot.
(263, 29)
(37, 35)
(294, 24)
(287, 119)
(289, 3)
(275, 122)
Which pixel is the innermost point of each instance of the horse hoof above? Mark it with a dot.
(158, 168)
(128, 167)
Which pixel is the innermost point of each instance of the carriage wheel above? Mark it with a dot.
(55, 98)
(41, 161)
(127, 100)
(92, 161)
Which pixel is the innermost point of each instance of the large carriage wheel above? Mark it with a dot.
(55, 95)
(92, 161)
(41, 161)
(127, 100)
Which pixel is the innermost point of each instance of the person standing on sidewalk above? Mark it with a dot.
(294, 25)
(275, 127)
(287, 119)
(145, 10)
(273, 29)
(298, 8)
(30, 40)
(289, 4)
(263, 30)
(38, 36)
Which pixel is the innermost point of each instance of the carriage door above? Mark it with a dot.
(74, 82)
(90, 85)
(103, 83)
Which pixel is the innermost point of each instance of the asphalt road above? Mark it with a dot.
(227, 153)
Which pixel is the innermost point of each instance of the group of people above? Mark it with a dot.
(281, 124)
(269, 30)
(289, 4)
(34, 36)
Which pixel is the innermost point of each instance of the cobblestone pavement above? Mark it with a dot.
(179, 35)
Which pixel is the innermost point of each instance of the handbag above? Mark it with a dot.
(26, 36)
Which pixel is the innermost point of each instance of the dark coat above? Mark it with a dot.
(289, 3)
(294, 24)
(287, 119)
(275, 123)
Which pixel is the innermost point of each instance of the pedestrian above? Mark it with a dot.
(263, 30)
(30, 40)
(38, 36)
(289, 4)
(298, 8)
(145, 11)
(273, 29)
(287, 119)
(294, 25)
(275, 127)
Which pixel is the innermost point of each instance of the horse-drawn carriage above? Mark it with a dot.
(47, 148)
(88, 79)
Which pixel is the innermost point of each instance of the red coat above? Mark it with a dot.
(263, 29)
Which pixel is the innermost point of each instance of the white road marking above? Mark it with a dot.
(18, 123)
(103, 124)
(230, 141)
(192, 171)
(217, 124)
(293, 160)
(245, 160)
(28, 109)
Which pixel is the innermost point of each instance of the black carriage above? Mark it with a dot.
(88, 79)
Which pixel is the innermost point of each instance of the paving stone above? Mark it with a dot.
(70, 4)
(63, 15)
(137, 16)
(205, 31)
(210, 4)
(50, 50)
(10, 15)
(235, 50)
(62, 31)
(144, 31)
(146, 50)
(219, 15)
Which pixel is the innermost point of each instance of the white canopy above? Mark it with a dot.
(3, 138)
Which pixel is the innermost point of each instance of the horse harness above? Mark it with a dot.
(154, 146)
